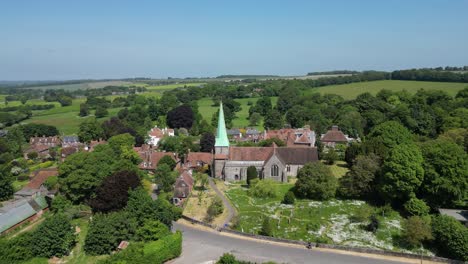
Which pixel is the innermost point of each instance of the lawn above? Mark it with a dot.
(206, 109)
(350, 91)
(308, 220)
(339, 169)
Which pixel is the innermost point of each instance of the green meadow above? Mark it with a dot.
(206, 109)
(352, 90)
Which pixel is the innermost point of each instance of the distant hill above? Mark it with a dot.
(332, 72)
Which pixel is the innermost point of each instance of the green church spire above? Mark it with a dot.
(221, 134)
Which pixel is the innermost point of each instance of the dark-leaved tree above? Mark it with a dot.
(181, 116)
(112, 195)
(207, 142)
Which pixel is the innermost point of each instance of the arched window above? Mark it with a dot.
(274, 171)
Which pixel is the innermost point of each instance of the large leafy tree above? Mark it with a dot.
(315, 181)
(296, 116)
(6, 187)
(207, 142)
(169, 161)
(89, 130)
(55, 237)
(446, 173)
(386, 136)
(359, 181)
(112, 194)
(164, 177)
(402, 173)
(450, 237)
(181, 116)
(273, 120)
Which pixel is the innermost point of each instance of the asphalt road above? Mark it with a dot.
(200, 246)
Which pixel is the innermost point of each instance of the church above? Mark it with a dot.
(230, 163)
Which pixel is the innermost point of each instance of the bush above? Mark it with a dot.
(450, 237)
(331, 156)
(33, 155)
(152, 230)
(415, 231)
(157, 252)
(60, 204)
(264, 189)
(289, 198)
(216, 208)
(362, 214)
(51, 182)
(415, 206)
(373, 225)
(54, 237)
(267, 227)
(17, 249)
(106, 231)
(315, 181)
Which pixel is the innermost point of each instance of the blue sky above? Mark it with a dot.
(57, 40)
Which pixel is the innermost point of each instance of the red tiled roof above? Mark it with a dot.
(204, 157)
(68, 151)
(187, 178)
(156, 132)
(250, 153)
(221, 156)
(151, 158)
(334, 135)
(40, 177)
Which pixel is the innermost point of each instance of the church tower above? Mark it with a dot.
(222, 141)
(221, 146)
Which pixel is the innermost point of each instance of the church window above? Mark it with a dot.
(288, 168)
(274, 171)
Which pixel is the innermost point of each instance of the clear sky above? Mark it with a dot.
(57, 40)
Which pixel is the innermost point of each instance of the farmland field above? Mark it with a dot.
(78, 86)
(324, 221)
(350, 91)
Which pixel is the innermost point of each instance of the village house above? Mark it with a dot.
(252, 134)
(197, 160)
(42, 145)
(182, 187)
(156, 134)
(20, 211)
(301, 137)
(234, 134)
(150, 157)
(36, 187)
(334, 137)
(71, 141)
(276, 163)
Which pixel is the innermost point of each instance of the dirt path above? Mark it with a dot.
(227, 204)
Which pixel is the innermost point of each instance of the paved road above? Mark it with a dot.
(231, 211)
(201, 246)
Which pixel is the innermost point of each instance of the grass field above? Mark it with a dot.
(78, 86)
(206, 109)
(168, 86)
(350, 91)
(309, 220)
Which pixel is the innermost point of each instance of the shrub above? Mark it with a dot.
(54, 237)
(416, 231)
(264, 189)
(373, 225)
(106, 231)
(33, 155)
(362, 214)
(450, 237)
(415, 206)
(289, 198)
(60, 204)
(17, 249)
(216, 208)
(331, 156)
(152, 230)
(267, 227)
(51, 182)
(315, 181)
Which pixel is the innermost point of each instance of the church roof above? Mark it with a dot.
(250, 153)
(221, 135)
(297, 155)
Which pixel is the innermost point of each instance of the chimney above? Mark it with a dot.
(335, 128)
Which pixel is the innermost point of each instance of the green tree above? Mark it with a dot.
(101, 111)
(60, 204)
(386, 136)
(331, 156)
(450, 237)
(216, 208)
(446, 173)
(254, 119)
(84, 110)
(164, 178)
(359, 180)
(106, 231)
(6, 187)
(415, 206)
(89, 130)
(296, 116)
(54, 237)
(416, 231)
(207, 142)
(251, 174)
(169, 161)
(152, 230)
(264, 189)
(263, 105)
(273, 120)
(402, 173)
(315, 181)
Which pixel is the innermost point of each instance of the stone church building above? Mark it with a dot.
(277, 163)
